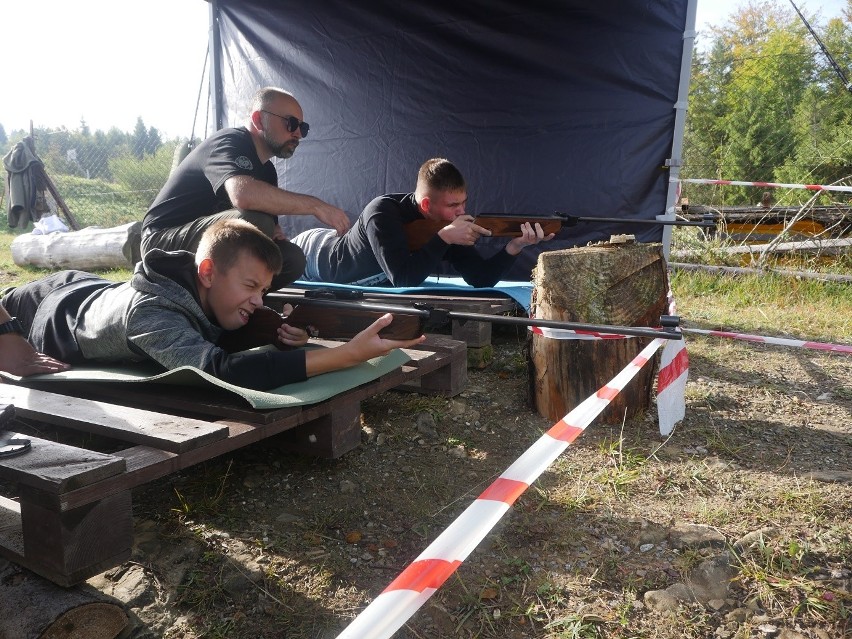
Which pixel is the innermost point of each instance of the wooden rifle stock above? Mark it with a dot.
(261, 330)
(419, 232)
(338, 323)
(346, 323)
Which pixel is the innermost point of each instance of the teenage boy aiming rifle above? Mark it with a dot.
(176, 309)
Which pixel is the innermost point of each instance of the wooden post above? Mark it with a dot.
(60, 202)
(605, 284)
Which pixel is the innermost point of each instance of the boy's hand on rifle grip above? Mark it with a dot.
(529, 235)
(463, 231)
(291, 335)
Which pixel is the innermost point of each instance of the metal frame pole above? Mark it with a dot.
(680, 124)
(215, 44)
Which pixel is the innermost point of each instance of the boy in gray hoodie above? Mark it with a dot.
(175, 309)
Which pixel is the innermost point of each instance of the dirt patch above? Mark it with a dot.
(612, 541)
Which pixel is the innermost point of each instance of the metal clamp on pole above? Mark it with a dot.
(670, 321)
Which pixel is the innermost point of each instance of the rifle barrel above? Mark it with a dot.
(441, 316)
(636, 331)
(621, 220)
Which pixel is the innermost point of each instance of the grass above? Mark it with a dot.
(779, 575)
(765, 304)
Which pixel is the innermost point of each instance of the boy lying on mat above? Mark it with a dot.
(376, 250)
(175, 309)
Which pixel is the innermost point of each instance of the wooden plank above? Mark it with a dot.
(182, 402)
(440, 356)
(132, 425)
(448, 379)
(57, 468)
(328, 436)
(66, 548)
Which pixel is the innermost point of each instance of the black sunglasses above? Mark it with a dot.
(292, 123)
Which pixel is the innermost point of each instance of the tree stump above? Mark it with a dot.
(624, 285)
(32, 607)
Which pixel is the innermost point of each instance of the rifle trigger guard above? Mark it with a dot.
(437, 316)
(567, 219)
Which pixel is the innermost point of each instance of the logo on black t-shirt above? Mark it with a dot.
(243, 162)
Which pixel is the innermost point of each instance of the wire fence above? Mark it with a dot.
(103, 179)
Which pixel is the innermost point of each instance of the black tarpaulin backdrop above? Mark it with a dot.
(543, 105)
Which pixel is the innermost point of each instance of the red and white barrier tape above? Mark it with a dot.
(566, 333)
(561, 333)
(413, 587)
(671, 380)
(768, 185)
(819, 346)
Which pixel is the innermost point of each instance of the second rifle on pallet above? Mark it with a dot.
(338, 314)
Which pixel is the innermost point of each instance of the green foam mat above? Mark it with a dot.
(311, 391)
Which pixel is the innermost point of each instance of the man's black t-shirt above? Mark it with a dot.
(196, 188)
(377, 243)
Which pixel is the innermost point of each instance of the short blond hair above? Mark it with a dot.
(224, 240)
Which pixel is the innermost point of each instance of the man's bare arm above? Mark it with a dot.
(250, 194)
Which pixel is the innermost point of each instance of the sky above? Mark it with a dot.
(109, 61)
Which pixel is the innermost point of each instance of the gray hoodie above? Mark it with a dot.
(156, 316)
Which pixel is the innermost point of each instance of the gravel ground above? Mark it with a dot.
(736, 526)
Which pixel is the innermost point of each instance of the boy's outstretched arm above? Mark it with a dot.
(364, 346)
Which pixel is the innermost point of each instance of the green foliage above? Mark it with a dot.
(766, 105)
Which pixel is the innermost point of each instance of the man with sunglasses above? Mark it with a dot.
(231, 175)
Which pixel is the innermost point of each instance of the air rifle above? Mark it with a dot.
(337, 314)
(419, 232)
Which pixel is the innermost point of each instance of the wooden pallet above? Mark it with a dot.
(73, 515)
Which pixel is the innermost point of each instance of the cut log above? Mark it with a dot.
(89, 249)
(32, 607)
(622, 285)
